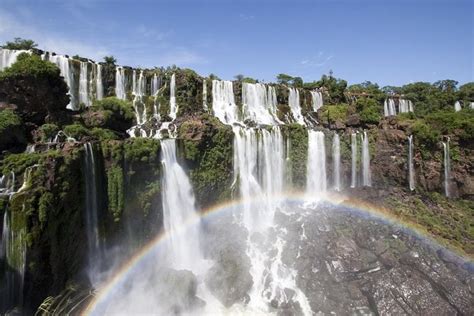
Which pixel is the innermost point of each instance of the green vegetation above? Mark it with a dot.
(450, 221)
(19, 43)
(30, 65)
(298, 138)
(115, 191)
(330, 114)
(285, 79)
(369, 110)
(47, 132)
(35, 86)
(76, 131)
(12, 131)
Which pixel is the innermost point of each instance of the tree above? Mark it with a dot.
(466, 92)
(19, 43)
(239, 77)
(110, 60)
(35, 86)
(284, 79)
(298, 82)
(446, 85)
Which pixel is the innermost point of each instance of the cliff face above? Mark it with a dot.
(48, 212)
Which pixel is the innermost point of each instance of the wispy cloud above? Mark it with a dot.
(14, 27)
(246, 17)
(151, 33)
(137, 47)
(317, 61)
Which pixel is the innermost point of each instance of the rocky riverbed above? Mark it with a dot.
(345, 262)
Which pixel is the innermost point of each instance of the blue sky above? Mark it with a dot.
(388, 42)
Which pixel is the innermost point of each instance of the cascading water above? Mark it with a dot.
(178, 209)
(7, 184)
(91, 214)
(223, 102)
(447, 168)
(316, 167)
(120, 82)
(173, 106)
(336, 159)
(66, 71)
(8, 57)
(83, 85)
(411, 168)
(259, 169)
(353, 160)
(317, 100)
(155, 89)
(13, 255)
(294, 103)
(366, 174)
(259, 103)
(389, 108)
(457, 106)
(204, 95)
(138, 91)
(405, 106)
(99, 87)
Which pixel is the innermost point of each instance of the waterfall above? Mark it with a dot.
(204, 95)
(447, 168)
(7, 184)
(457, 106)
(9, 56)
(259, 169)
(120, 81)
(138, 91)
(316, 168)
(155, 87)
(389, 107)
(173, 106)
(405, 106)
(353, 160)
(66, 71)
(471, 105)
(411, 168)
(83, 85)
(294, 103)
(336, 158)
(179, 209)
(223, 102)
(91, 213)
(317, 100)
(99, 87)
(259, 103)
(13, 255)
(366, 174)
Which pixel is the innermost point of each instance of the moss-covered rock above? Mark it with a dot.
(110, 113)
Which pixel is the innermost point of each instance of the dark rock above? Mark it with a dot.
(353, 120)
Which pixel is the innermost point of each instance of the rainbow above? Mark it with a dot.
(351, 204)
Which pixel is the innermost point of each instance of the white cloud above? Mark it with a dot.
(316, 61)
(246, 17)
(12, 27)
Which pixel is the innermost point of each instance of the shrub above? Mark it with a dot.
(111, 113)
(12, 133)
(76, 131)
(332, 113)
(19, 43)
(35, 86)
(47, 131)
(369, 110)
